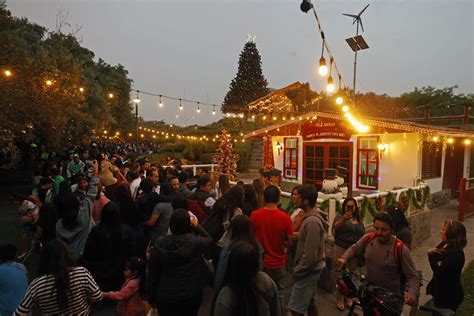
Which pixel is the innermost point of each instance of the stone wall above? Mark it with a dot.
(439, 198)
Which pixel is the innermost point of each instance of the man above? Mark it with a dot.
(273, 229)
(13, 280)
(310, 258)
(203, 192)
(154, 177)
(75, 167)
(183, 183)
(384, 267)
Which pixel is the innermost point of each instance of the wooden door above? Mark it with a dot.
(453, 168)
(319, 156)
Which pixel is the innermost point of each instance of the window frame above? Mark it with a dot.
(377, 162)
(290, 150)
(435, 161)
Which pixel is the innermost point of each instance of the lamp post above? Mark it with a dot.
(136, 101)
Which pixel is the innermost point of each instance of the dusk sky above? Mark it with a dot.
(190, 48)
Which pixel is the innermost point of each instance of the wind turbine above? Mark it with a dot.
(358, 19)
(356, 43)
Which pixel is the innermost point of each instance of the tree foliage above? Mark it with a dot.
(56, 114)
(249, 84)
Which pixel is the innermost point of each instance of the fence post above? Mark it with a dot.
(212, 167)
(194, 170)
(462, 199)
(331, 215)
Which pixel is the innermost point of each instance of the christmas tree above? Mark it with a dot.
(226, 159)
(249, 84)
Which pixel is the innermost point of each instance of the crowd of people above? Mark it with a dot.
(115, 230)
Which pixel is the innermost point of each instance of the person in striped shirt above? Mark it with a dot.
(62, 288)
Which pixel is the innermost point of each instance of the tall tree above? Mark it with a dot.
(249, 84)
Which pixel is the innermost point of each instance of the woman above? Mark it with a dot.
(401, 225)
(225, 208)
(46, 225)
(176, 271)
(223, 185)
(259, 188)
(106, 175)
(107, 248)
(348, 229)
(62, 288)
(294, 201)
(247, 291)
(250, 202)
(241, 231)
(447, 261)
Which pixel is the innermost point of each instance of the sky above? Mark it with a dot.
(190, 48)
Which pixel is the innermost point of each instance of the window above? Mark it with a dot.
(290, 155)
(367, 162)
(431, 154)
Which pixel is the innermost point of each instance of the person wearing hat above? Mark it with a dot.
(76, 166)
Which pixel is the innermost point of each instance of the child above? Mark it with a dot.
(132, 291)
(28, 211)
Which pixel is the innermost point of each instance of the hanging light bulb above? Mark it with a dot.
(161, 103)
(180, 105)
(339, 100)
(330, 86)
(198, 109)
(345, 108)
(323, 68)
(137, 98)
(214, 109)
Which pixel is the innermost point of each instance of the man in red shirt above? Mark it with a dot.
(273, 229)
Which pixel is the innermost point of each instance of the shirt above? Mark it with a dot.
(271, 229)
(13, 285)
(42, 291)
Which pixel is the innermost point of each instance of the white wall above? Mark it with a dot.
(401, 162)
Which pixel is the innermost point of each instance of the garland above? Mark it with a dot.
(325, 206)
(417, 198)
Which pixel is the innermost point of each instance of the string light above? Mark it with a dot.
(214, 109)
(161, 103)
(339, 100)
(198, 108)
(467, 142)
(180, 105)
(323, 68)
(81, 89)
(7, 73)
(49, 83)
(111, 95)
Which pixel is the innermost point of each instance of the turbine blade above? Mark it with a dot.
(351, 15)
(361, 25)
(364, 9)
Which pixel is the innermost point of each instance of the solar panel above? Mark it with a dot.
(361, 42)
(352, 43)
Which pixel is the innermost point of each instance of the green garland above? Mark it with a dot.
(325, 206)
(380, 203)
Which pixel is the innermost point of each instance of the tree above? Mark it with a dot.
(226, 159)
(249, 84)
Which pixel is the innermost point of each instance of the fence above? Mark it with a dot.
(195, 167)
(466, 198)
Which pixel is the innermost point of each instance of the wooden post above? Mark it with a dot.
(427, 115)
(466, 114)
(462, 199)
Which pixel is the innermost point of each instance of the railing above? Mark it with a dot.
(466, 198)
(194, 167)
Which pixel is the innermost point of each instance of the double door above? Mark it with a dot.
(319, 156)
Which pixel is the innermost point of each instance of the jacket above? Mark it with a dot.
(177, 268)
(310, 255)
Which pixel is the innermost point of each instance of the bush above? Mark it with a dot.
(188, 153)
(243, 149)
(206, 158)
(179, 147)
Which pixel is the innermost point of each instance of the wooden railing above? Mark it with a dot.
(466, 198)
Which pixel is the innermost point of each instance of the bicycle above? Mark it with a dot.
(375, 300)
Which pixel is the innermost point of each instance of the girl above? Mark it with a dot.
(132, 291)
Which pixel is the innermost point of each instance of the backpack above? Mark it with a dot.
(397, 251)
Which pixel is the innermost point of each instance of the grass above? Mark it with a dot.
(467, 307)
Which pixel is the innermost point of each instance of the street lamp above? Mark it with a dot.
(136, 101)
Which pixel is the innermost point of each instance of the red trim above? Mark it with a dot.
(358, 174)
(291, 160)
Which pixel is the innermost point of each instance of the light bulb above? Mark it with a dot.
(339, 100)
(7, 73)
(161, 103)
(323, 68)
(111, 95)
(330, 86)
(467, 142)
(49, 82)
(345, 108)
